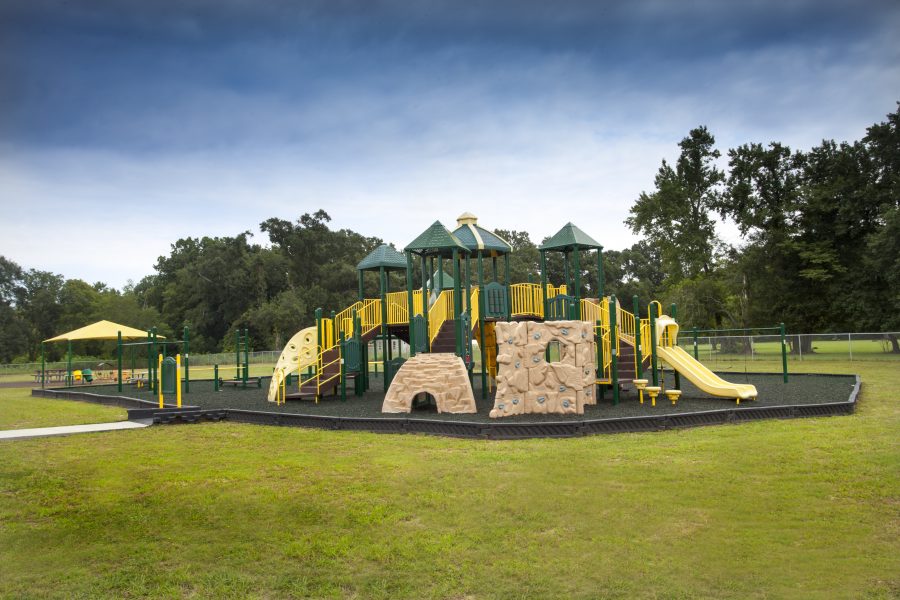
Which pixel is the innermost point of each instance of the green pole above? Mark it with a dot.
(319, 334)
(783, 352)
(154, 385)
(69, 364)
(577, 268)
(653, 363)
(246, 355)
(187, 359)
(457, 304)
(237, 354)
(601, 276)
(410, 305)
(481, 345)
(382, 287)
(674, 314)
(613, 342)
(468, 334)
(119, 360)
(149, 359)
(426, 343)
(566, 273)
(42, 366)
(508, 290)
(544, 282)
(598, 333)
(343, 368)
(216, 377)
(440, 275)
(360, 293)
(133, 363)
(696, 346)
(638, 359)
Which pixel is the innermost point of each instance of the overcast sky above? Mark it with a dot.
(125, 125)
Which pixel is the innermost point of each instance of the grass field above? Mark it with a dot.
(779, 509)
(18, 410)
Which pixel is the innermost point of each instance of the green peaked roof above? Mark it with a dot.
(436, 240)
(571, 238)
(477, 238)
(383, 256)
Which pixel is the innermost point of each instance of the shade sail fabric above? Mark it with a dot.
(102, 330)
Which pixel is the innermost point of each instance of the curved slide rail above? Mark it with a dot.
(299, 352)
(702, 377)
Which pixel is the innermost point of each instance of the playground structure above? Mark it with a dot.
(455, 320)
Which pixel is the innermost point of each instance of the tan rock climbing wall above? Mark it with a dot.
(442, 375)
(527, 383)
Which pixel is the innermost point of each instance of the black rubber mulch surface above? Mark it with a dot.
(801, 389)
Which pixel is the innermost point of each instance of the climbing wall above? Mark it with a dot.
(527, 383)
(443, 375)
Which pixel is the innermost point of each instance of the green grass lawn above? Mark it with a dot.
(19, 410)
(778, 509)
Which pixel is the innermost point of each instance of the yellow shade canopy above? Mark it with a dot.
(102, 330)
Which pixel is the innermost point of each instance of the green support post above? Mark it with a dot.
(149, 359)
(426, 343)
(118, 360)
(246, 355)
(638, 358)
(343, 368)
(468, 334)
(544, 282)
(440, 275)
(613, 353)
(457, 304)
(783, 352)
(69, 380)
(598, 329)
(653, 367)
(42, 366)
(186, 359)
(576, 259)
(481, 345)
(237, 354)
(508, 289)
(216, 377)
(360, 293)
(319, 336)
(566, 273)
(154, 382)
(410, 305)
(601, 277)
(385, 334)
(674, 314)
(696, 346)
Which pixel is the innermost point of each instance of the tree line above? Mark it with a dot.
(819, 250)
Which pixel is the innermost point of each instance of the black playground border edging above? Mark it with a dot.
(146, 409)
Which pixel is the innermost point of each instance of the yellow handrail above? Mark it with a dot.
(440, 311)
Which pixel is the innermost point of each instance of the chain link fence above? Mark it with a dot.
(712, 349)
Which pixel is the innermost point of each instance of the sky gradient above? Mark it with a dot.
(125, 125)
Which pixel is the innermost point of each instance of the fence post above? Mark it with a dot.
(783, 353)
(850, 345)
(696, 349)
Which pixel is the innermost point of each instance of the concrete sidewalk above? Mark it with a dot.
(22, 434)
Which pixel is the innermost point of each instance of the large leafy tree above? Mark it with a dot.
(677, 216)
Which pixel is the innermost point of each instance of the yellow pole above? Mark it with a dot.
(178, 379)
(159, 381)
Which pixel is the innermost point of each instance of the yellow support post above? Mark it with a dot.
(178, 380)
(159, 380)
